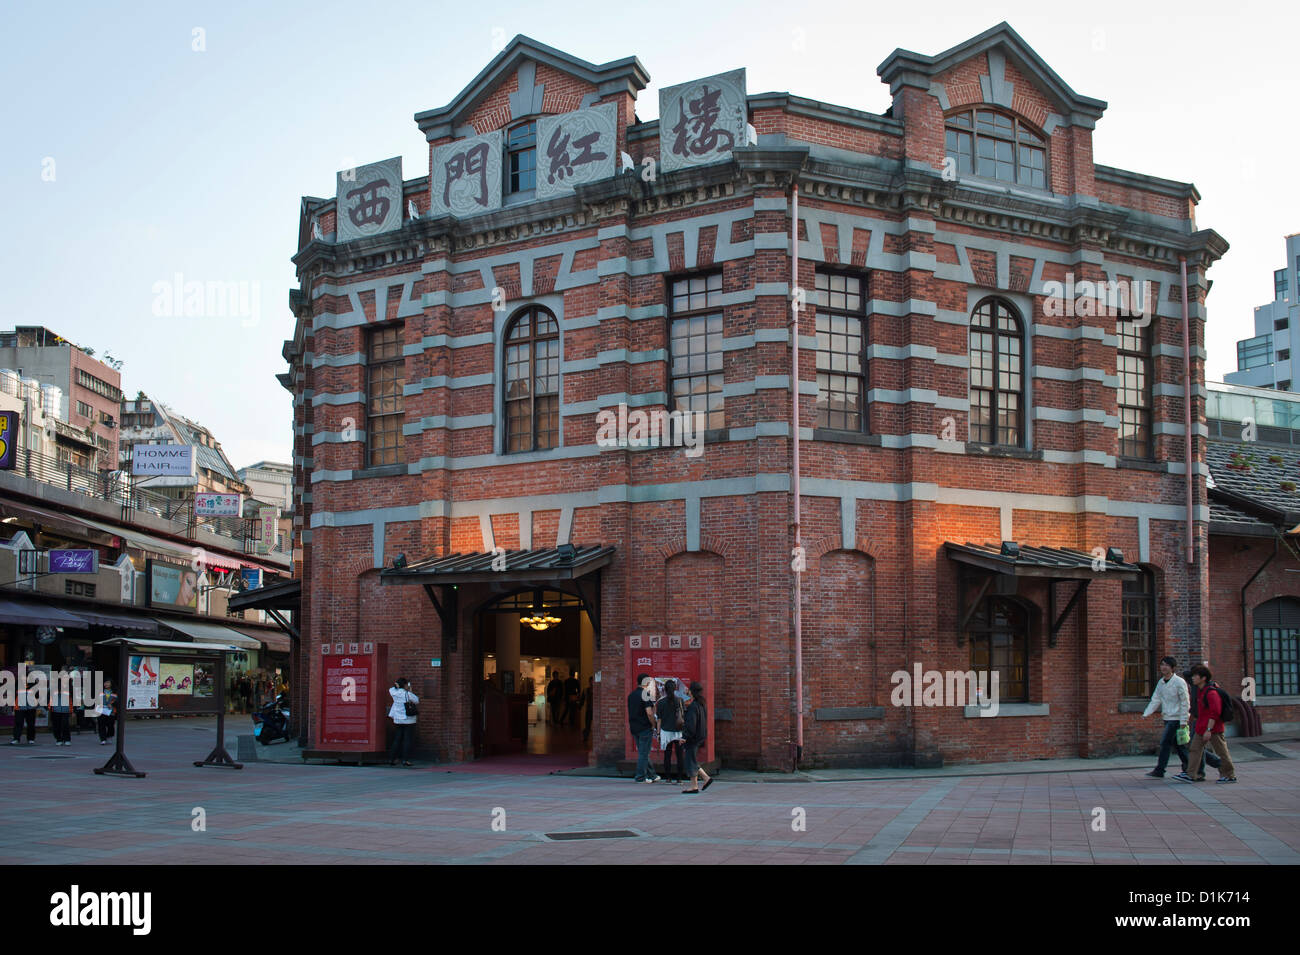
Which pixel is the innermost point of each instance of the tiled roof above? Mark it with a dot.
(541, 563)
(1255, 494)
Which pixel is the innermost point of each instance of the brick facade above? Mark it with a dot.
(703, 544)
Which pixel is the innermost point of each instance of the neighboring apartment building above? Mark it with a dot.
(1264, 361)
(993, 471)
(87, 435)
(145, 421)
(269, 482)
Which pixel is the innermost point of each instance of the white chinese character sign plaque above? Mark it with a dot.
(702, 121)
(465, 178)
(575, 148)
(369, 200)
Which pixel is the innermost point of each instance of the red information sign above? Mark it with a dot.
(680, 658)
(352, 700)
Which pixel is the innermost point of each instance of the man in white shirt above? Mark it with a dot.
(1172, 699)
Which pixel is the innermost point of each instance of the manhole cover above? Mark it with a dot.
(591, 834)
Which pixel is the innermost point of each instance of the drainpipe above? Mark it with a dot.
(1187, 408)
(1245, 617)
(794, 472)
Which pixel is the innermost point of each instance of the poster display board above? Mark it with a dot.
(142, 683)
(176, 679)
(353, 698)
(683, 658)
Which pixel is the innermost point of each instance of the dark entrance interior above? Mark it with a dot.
(522, 641)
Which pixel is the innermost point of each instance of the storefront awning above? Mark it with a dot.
(275, 641)
(212, 632)
(1058, 563)
(38, 615)
(105, 618)
(281, 595)
(566, 562)
(173, 645)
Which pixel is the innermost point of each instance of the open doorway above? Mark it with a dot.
(534, 652)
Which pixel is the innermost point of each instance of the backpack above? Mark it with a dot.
(1225, 703)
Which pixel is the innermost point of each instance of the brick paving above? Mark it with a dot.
(58, 812)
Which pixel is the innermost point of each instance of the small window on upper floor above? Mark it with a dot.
(1280, 324)
(521, 158)
(995, 145)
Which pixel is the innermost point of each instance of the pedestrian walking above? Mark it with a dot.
(641, 723)
(1213, 711)
(588, 701)
(24, 709)
(1208, 757)
(403, 715)
(61, 707)
(696, 732)
(555, 696)
(1170, 697)
(672, 720)
(107, 713)
(572, 697)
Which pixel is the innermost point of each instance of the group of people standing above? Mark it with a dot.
(682, 727)
(1210, 708)
(62, 708)
(566, 699)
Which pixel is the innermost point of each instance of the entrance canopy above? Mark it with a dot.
(565, 562)
(539, 566)
(1001, 566)
(38, 615)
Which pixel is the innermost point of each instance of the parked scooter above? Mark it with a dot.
(271, 722)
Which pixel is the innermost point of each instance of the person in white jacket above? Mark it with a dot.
(403, 723)
(1171, 698)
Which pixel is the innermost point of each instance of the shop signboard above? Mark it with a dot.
(215, 504)
(682, 658)
(174, 586)
(268, 525)
(251, 576)
(8, 440)
(162, 460)
(69, 561)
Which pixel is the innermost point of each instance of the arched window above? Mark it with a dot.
(1138, 618)
(1277, 647)
(999, 643)
(532, 381)
(996, 145)
(996, 375)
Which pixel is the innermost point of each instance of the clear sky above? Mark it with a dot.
(170, 161)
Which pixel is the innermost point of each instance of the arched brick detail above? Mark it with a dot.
(824, 545)
(708, 544)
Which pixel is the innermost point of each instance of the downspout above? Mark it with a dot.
(1187, 410)
(1245, 617)
(794, 472)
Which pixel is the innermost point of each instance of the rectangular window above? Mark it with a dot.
(1133, 361)
(385, 406)
(1138, 612)
(521, 159)
(695, 335)
(1280, 324)
(1254, 352)
(85, 410)
(841, 355)
(999, 643)
(1284, 354)
(1280, 283)
(98, 386)
(1277, 661)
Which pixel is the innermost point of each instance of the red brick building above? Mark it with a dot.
(959, 384)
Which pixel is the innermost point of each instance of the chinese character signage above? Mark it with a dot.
(8, 440)
(213, 504)
(268, 525)
(575, 148)
(702, 121)
(142, 683)
(465, 176)
(162, 460)
(369, 200)
(74, 561)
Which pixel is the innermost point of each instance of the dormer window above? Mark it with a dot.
(521, 158)
(994, 145)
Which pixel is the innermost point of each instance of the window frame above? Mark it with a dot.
(976, 633)
(1018, 123)
(1148, 597)
(532, 340)
(1022, 437)
(1265, 680)
(706, 311)
(386, 418)
(508, 174)
(862, 375)
(1145, 411)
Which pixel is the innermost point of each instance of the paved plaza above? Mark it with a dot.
(56, 811)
